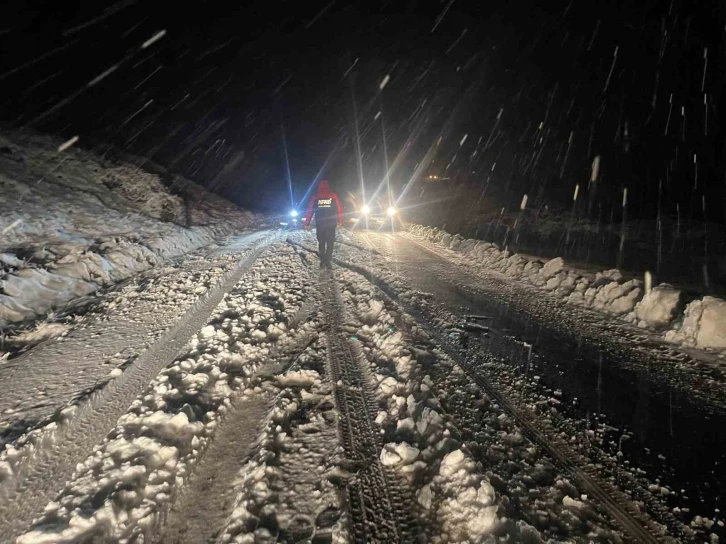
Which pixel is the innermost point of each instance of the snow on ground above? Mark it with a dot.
(602, 442)
(704, 325)
(659, 307)
(698, 373)
(289, 491)
(700, 324)
(475, 474)
(72, 222)
(118, 493)
(95, 345)
(419, 443)
(39, 333)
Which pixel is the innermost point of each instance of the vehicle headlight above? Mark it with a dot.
(365, 210)
(293, 213)
(392, 211)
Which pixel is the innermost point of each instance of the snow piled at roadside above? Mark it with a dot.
(700, 324)
(72, 222)
(119, 492)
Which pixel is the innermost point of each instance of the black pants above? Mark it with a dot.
(326, 239)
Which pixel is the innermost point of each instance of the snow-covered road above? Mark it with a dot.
(243, 395)
(630, 398)
(123, 322)
(68, 393)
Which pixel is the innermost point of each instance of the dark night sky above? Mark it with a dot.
(520, 79)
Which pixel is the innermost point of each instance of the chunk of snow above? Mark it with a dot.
(389, 458)
(407, 453)
(613, 274)
(44, 331)
(176, 427)
(374, 311)
(5, 470)
(402, 453)
(712, 330)
(405, 425)
(451, 462)
(623, 305)
(299, 378)
(388, 386)
(551, 268)
(704, 324)
(659, 306)
(259, 335)
(424, 496)
(208, 332)
(572, 503)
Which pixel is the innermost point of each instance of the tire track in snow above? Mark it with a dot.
(668, 366)
(68, 369)
(204, 503)
(42, 475)
(580, 467)
(199, 513)
(618, 505)
(379, 505)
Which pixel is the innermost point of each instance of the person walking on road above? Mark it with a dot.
(325, 206)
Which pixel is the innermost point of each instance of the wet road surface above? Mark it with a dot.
(671, 435)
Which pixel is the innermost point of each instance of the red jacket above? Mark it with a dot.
(321, 205)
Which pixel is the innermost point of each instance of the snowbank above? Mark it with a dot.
(704, 325)
(659, 307)
(701, 324)
(72, 222)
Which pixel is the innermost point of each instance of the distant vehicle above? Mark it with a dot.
(375, 215)
(294, 221)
